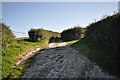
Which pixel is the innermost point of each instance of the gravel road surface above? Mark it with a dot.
(63, 62)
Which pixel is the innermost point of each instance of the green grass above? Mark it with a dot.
(12, 51)
(17, 73)
(19, 70)
(71, 42)
(82, 48)
(102, 56)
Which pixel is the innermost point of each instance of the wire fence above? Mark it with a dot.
(20, 34)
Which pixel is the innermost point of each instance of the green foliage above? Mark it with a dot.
(13, 47)
(55, 39)
(7, 35)
(81, 47)
(38, 34)
(11, 52)
(72, 34)
(19, 70)
(105, 32)
(101, 43)
(71, 42)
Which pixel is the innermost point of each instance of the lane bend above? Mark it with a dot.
(63, 62)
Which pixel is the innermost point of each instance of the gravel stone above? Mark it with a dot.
(63, 62)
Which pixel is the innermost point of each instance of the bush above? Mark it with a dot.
(105, 33)
(38, 34)
(7, 35)
(54, 39)
(72, 34)
(102, 42)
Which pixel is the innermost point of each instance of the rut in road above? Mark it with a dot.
(63, 62)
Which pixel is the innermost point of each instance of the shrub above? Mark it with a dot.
(72, 34)
(38, 34)
(102, 40)
(7, 35)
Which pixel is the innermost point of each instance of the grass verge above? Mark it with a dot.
(20, 69)
(71, 42)
(11, 52)
(103, 57)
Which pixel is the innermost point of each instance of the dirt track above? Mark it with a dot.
(62, 62)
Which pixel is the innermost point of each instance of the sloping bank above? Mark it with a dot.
(101, 44)
(13, 53)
